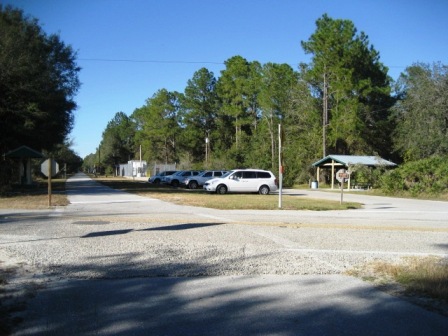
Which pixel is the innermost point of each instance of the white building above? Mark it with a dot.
(134, 168)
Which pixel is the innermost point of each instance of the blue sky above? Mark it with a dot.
(130, 49)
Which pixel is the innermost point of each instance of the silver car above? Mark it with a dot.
(176, 179)
(158, 178)
(195, 182)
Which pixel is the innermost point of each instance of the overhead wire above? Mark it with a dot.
(147, 61)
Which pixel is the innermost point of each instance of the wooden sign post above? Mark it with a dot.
(341, 176)
(48, 168)
(49, 182)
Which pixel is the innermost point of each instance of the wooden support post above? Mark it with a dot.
(50, 163)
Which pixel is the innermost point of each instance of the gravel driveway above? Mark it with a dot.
(106, 234)
(110, 234)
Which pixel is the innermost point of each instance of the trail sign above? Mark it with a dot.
(342, 175)
(44, 167)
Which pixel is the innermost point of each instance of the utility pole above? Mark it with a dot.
(280, 166)
(325, 117)
(140, 169)
(207, 148)
(206, 151)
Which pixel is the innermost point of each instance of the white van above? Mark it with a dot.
(243, 180)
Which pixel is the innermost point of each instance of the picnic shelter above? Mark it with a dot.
(347, 162)
(23, 156)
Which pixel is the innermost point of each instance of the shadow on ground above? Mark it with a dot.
(120, 301)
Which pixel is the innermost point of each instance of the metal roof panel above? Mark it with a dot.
(350, 160)
(24, 152)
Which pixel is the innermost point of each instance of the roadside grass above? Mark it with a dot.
(34, 196)
(423, 281)
(422, 196)
(201, 198)
(403, 194)
(420, 275)
(399, 194)
(442, 196)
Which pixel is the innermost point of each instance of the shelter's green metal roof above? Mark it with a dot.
(24, 152)
(351, 160)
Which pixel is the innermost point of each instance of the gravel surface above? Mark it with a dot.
(106, 234)
(122, 246)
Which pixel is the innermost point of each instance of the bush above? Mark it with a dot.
(427, 176)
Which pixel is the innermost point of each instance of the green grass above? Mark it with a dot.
(224, 202)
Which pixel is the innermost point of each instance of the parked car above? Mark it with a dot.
(167, 179)
(178, 177)
(158, 178)
(243, 180)
(195, 182)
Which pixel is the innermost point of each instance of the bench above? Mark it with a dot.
(362, 185)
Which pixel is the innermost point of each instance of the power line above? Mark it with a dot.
(147, 61)
(162, 61)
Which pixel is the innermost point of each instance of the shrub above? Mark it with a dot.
(427, 176)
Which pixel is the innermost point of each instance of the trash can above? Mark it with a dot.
(314, 185)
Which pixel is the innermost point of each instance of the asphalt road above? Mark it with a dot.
(112, 263)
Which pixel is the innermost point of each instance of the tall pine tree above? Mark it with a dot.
(347, 76)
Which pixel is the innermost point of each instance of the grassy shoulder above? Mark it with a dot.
(35, 196)
(223, 202)
(441, 196)
(423, 281)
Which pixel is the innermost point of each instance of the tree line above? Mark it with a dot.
(38, 84)
(342, 102)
